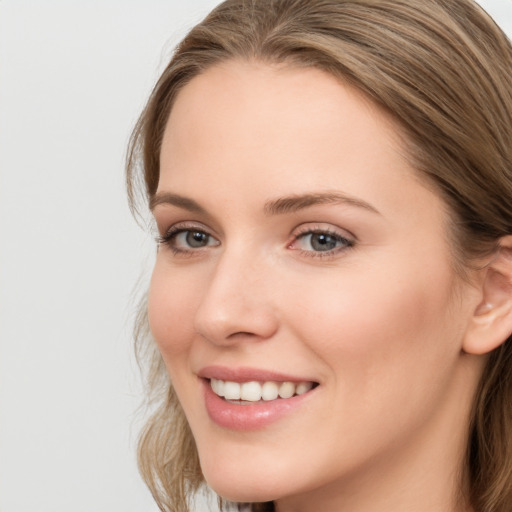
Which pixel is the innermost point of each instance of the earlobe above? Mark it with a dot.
(491, 323)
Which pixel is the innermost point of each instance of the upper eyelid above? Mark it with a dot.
(321, 227)
(185, 226)
(175, 230)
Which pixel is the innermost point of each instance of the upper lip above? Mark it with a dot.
(247, 374)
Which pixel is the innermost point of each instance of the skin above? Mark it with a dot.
(379, 323)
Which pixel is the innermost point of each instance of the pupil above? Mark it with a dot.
(197, 239)
(323, 242)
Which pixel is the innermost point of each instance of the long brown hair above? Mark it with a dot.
(443, 69)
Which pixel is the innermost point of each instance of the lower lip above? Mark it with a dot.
(248, 417)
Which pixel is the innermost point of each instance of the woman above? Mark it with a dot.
(332, 293)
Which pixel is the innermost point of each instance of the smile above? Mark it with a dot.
(254, 391)
(247, 399)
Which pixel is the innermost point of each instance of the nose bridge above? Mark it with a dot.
(237, 299)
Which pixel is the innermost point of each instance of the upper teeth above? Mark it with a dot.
(255, 391)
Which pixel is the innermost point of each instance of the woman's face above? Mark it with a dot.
(301, 255)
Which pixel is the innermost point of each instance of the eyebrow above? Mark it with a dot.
(279, 206)
(175, 200)
(295, 203)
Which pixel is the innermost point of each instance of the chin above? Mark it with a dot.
(242, 491)
(243, 482)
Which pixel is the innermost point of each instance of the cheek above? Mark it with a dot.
(376, 322)
(172, 303)
(171, 306)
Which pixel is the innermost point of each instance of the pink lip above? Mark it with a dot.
(248, 417)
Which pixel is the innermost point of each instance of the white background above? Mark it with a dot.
(73, 77)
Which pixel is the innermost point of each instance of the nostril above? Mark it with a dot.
(242, 334)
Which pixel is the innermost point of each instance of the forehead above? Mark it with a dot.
(261, 91)
(252, 116)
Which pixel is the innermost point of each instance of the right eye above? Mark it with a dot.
(192, 239)
(183, 240)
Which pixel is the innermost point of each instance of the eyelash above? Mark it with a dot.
(346, 242)
(168, 239)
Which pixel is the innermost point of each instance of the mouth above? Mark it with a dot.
(246, 399)
(252, 392)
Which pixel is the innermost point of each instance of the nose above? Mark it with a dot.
(237, 302)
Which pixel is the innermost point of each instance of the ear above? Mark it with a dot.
(491, 323)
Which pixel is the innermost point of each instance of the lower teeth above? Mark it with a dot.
(243, 402)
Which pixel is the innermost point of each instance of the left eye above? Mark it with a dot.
(320, 242)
